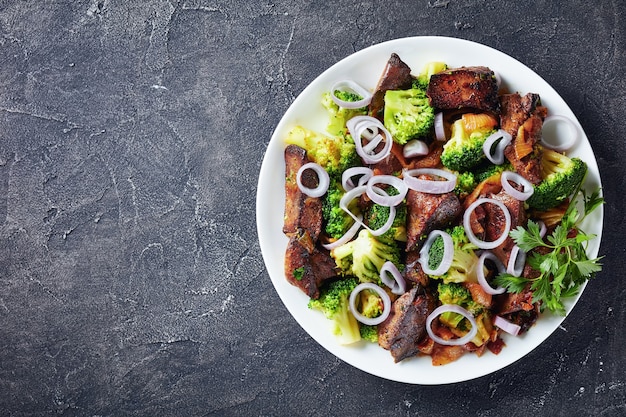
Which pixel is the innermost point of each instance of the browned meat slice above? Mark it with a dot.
(404, 329)
(301, 211)
(307, 265)
(495, 222)
(522, 117)
(413, 270)
(427, 212)
(465, 87)
(396, 76)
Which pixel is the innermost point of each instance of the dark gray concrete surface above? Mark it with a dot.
(131, 137)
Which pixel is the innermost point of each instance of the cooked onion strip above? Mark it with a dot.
(323, 180)
(452, 308)
(396, 282)
(415, 147)
(494, 145)
(468, 227)
(440, 132)
(353, 87)
(355, 193)
(364, 174)
(430, 186)
(361, 127)
(370, 321)
(448, 253)
(562, 143)
(527, 188)
(380, 196)
(517, 261)
(511, 328)
(480, 272)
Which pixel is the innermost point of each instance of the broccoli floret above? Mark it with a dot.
(464, 259)
(562, 176)
(487, 169)
(376, 216)
(423, 79)
(408, 114)
(369, 333)
(464, 150)
(364, 256)
(339, 115)
(336, 220)
(465, 184)
(333, 302)
(334, 153)
(455, 293)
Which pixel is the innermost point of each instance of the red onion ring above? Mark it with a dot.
(347, 237)
(511, 328)
(543, 229)
(430, 186)
(527, 187)
(382, 197)
(468, 228)
(357, 126)
(396, 282)
(365, 174)
(353, 87)
(356, 192)
(496, 156)
(448, 253)
(480, 272)
(440, 133)
(323, 180)
(517, 261)
(570, 140)
(370, 321)
(453, 308)
(415, 147)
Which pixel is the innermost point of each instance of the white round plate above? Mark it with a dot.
(366, 67)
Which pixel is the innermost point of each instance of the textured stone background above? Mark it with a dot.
(131, 136)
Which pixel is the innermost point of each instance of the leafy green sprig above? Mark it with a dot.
(561, 258)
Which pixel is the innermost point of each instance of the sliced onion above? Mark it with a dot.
(448, 253)
(430, 186)
(347, 237)
(496, 156)
(353, 87)
(323, 180)
(517, 261)
(561, 143)
(357, 192)
(511, 328)
(452, 308)
(370, 321)
(480, 272)
(543, 229)
(440, 132)
(396, 282)
(359, 126)
(527, 188)
(415, 147)
(364, 173)
(380, 196)
(468, 227)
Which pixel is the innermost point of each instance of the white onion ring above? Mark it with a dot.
(517, 260)
(527, 187)
(351, 86)
(453, 308)
(415, 147)
(356, 192)
(440, 133)
(365, 174)
(448, 253)
(511, 328)
(468, 228)
(323, 180)
(430, 186)
(503, 138)
(357, 126)
(347, 237)
(382, 197)
(396, 282)
(567, 144)
(480, 272)
(370, 321)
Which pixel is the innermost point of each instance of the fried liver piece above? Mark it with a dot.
(495, 222)
(301, 211)
(427, 212)
(404, 329)
(395, 76)
(464, 87)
